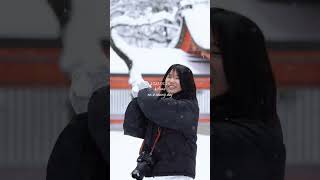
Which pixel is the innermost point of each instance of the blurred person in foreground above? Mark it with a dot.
(167, 121)
(81, 151)
(246, 134)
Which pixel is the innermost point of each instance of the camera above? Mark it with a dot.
(144, 166)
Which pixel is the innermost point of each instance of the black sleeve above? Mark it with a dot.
(98, 119)
(134, 120)
(181, 115)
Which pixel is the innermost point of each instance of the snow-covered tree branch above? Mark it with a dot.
(146, 23)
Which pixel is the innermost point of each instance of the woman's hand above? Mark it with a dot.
(138, 85)
(136, 81)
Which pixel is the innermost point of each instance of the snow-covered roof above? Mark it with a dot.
(156, 61)
(198, 22)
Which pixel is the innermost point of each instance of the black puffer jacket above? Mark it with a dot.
(81, 150)
(244, 148)
(175, 152)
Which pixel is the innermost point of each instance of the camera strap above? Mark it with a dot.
(155, 141)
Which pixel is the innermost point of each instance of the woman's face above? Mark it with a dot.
(172, 82)
(219, 83)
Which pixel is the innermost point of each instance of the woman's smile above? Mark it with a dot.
(171, 86)
(172, 83)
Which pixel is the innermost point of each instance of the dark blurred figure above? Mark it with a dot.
(61, 9)
(81, 151)
(246, 136)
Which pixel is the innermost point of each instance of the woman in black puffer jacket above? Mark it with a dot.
(168, 124)
(246, 135)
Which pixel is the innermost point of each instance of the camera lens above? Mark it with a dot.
(136, 174)
(145, 162)
(140, 171)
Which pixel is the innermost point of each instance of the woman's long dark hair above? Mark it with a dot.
(252, 87)
(188, 87)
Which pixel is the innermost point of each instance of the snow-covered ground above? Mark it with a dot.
(124, 152)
